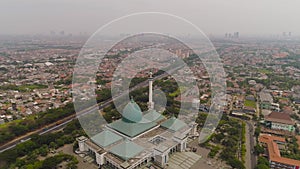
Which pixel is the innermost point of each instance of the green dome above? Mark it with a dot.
(132, 112)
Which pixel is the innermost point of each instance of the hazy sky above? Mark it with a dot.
(212, 16)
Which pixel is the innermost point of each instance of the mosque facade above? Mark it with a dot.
(138, 138)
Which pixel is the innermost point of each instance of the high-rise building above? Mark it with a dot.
(236, 35)
(284, 34)
(52, 33)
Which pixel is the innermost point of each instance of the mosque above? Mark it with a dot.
(138, 138)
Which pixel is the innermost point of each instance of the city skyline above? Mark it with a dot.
(213, 17)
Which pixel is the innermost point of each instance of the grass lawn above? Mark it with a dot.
(23, 88)
(265, 71)
(249, 103)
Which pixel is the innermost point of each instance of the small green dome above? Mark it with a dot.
(132, 112)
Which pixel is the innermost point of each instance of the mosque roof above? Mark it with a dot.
(106, 138)
(173, 124)
(126, 150)
(153, 116)
(131, 129)
(132, 112)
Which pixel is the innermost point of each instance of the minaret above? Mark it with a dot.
(150, 103)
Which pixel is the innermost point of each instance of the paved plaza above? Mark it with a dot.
(183, 160)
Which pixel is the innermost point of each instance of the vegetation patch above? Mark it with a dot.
(250, 103)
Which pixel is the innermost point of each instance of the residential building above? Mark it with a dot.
(273, 143)
(280, 121)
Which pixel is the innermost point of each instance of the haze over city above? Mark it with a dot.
(255, 17)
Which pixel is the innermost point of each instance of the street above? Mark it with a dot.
(250, 159)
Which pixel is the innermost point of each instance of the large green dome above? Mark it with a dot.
(132, 112)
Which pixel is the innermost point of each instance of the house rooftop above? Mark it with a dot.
(273, 150)
(279, 117)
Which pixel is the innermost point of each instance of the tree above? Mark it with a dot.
(8, 156)
(262, 160)
(228, 153)
(258, 149)
(257, 131)
(103, 95)
(229, 142)
(43, 151)
(25, 147)
(60, 142)
(74, 125)
(50, 163)
(235, 163)
(53, 145)
(219, 137)
(262, 166)
(75, 146)
(20, 162)
(18, 129)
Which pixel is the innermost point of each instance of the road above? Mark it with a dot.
(63, 122)
(26, 137)
(250, 142)
(250, 158)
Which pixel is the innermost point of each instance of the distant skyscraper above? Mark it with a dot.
(236, 35)
(52, 33)
(284, 34)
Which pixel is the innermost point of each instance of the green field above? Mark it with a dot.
(264, 71)
(249, 103)
(23, 88)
